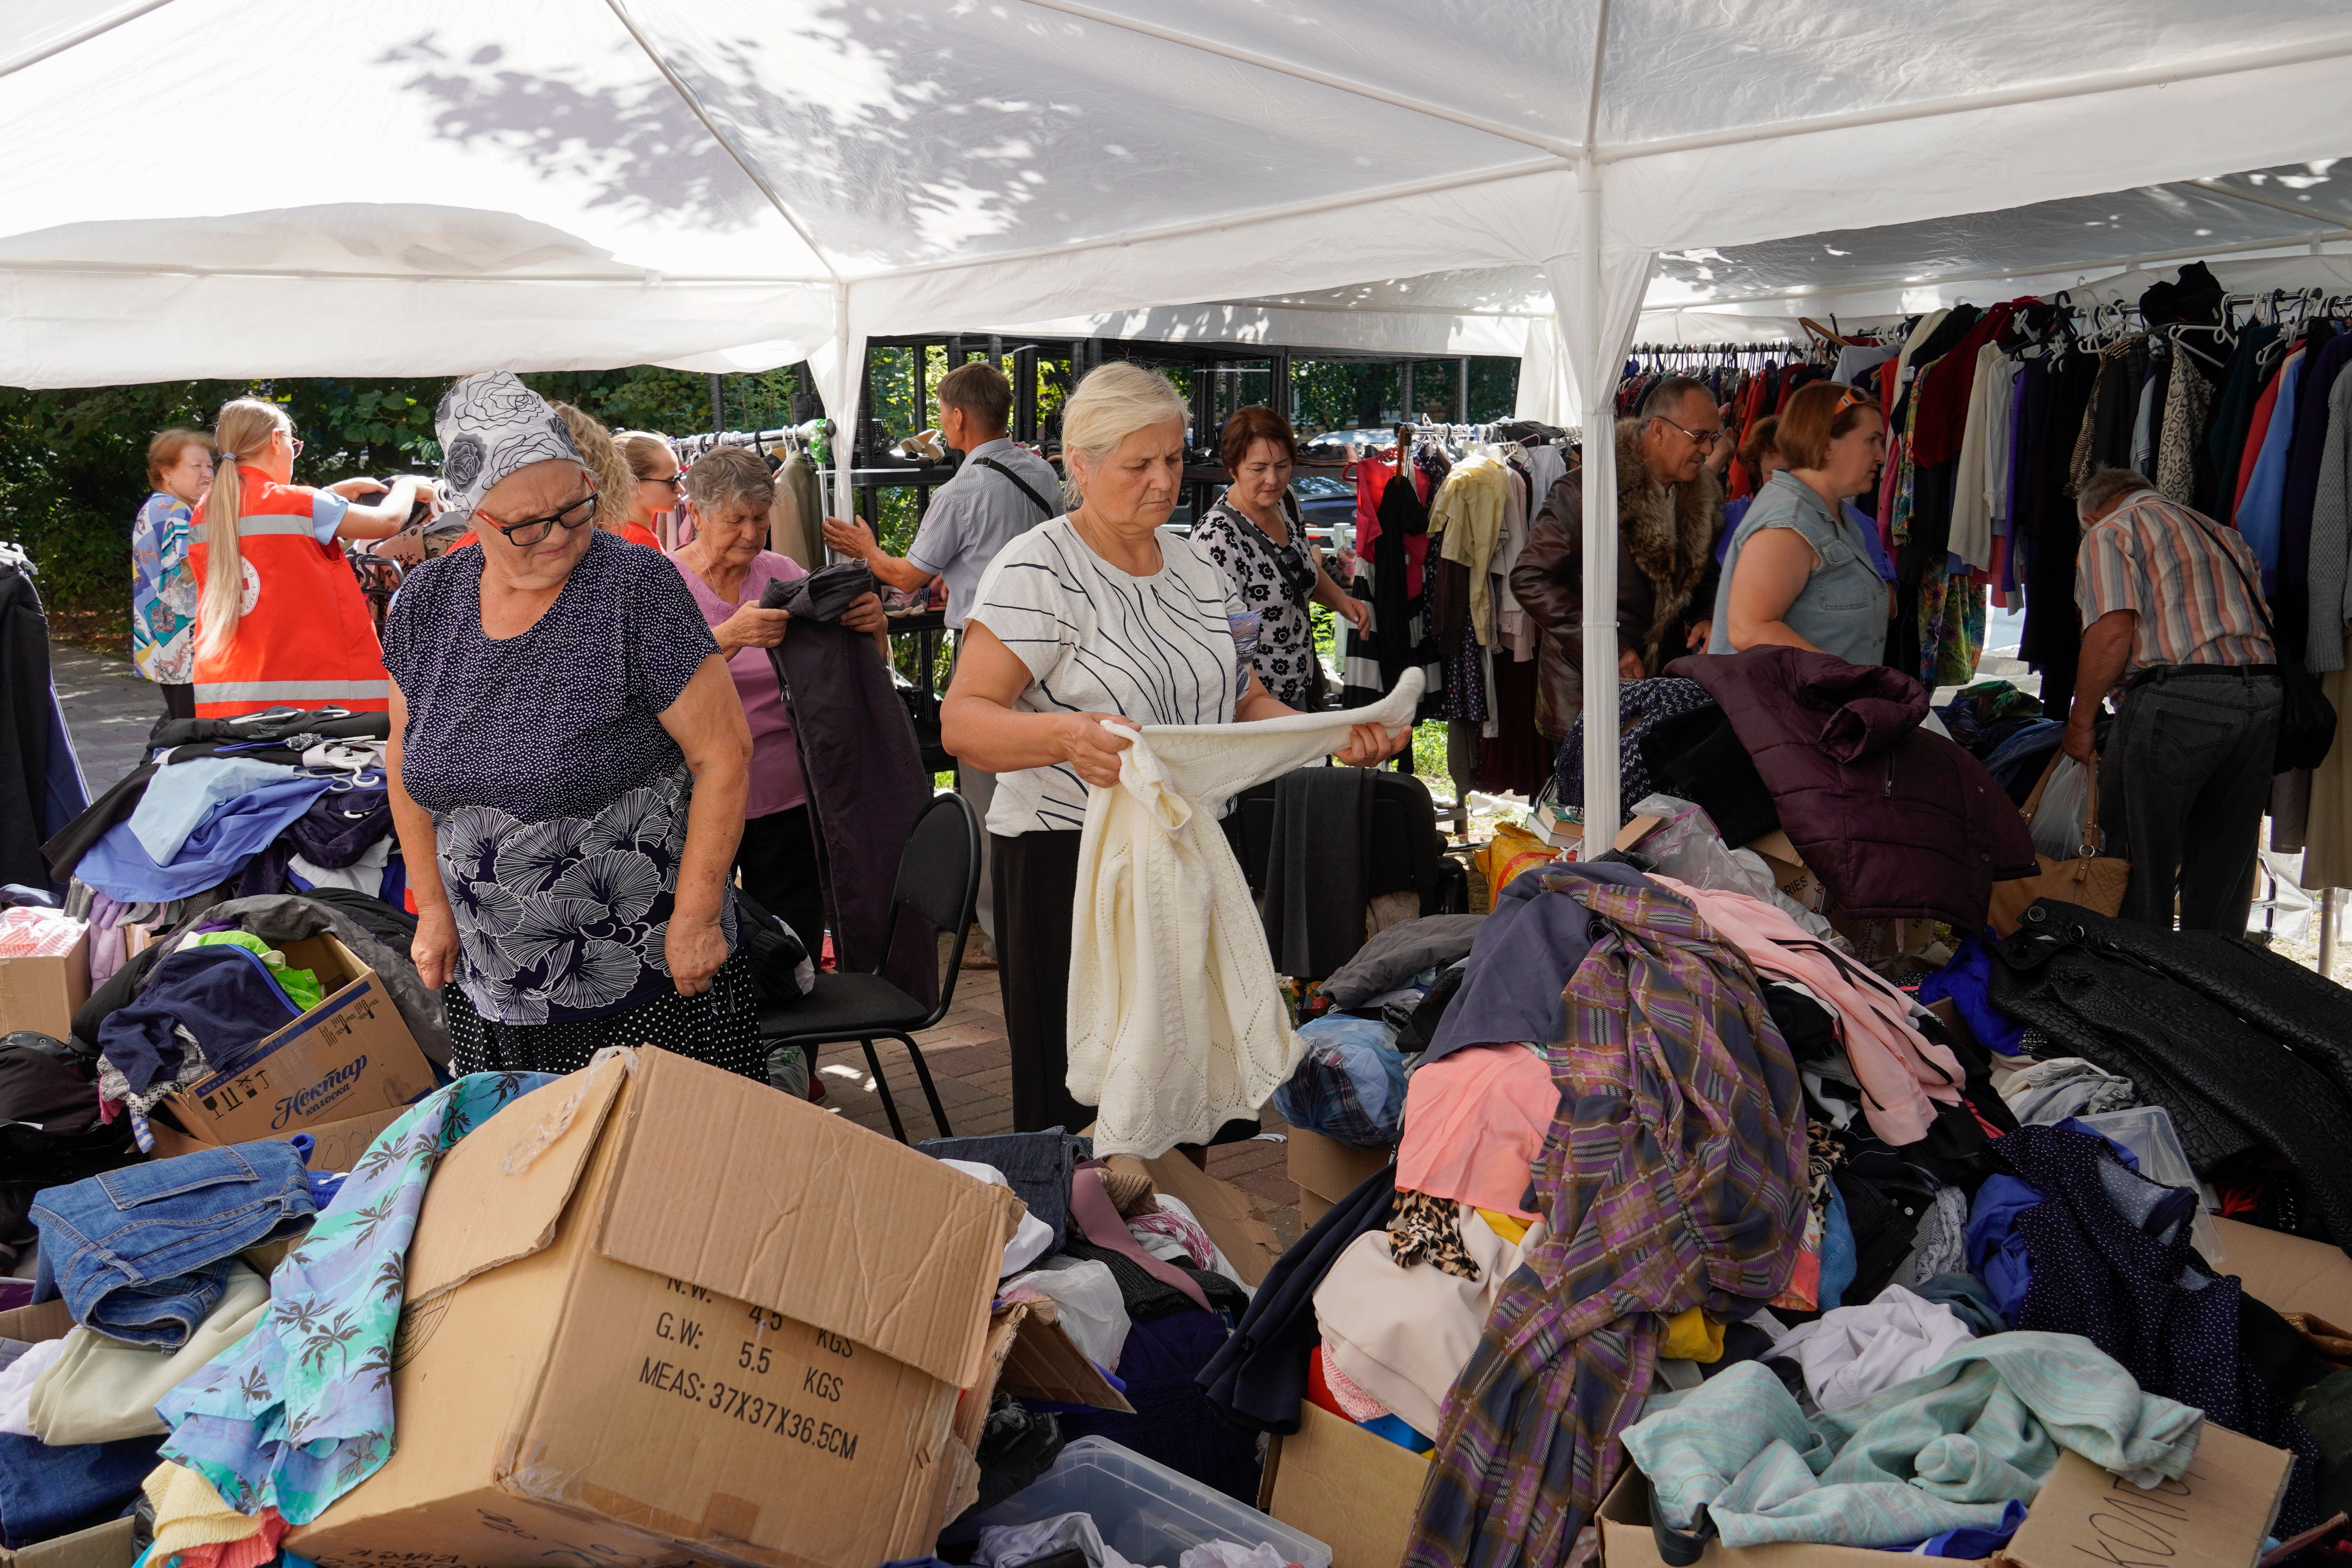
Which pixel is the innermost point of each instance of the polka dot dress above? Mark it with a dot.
(721, 1026)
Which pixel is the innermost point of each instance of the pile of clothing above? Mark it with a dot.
(291, 800)
(203, 1291)
(1898, 820)
(1683, 1181)
(1139, 1287)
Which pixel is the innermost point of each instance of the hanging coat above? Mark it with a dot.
(865, 779)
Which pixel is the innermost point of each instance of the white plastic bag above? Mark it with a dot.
(1089, 1305)
(2058, 819)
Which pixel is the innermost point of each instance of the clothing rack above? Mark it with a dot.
(802, 436)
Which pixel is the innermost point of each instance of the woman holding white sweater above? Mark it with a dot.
(1101, 614)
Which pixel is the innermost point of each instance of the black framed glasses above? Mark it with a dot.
(1703, 439)
(673, 481)
(533, 530)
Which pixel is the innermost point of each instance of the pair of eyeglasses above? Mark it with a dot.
(295, 442)
(672, 482)
(532, 531)
(1705, 439)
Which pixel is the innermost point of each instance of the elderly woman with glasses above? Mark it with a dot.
(568, 768)
(730, 497)
(1799, 570)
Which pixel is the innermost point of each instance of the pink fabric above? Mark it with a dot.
(1900, 1069)
(776, 781)
(1473, 1122)
(1099, 1219)
(1353, 1401)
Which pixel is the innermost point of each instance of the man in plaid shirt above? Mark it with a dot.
(2173, 627)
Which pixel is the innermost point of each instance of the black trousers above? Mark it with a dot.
(179, 700)
(1036, 879)
(778, 861)
(2182, 784)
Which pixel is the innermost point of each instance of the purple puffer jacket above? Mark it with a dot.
(1896, 821)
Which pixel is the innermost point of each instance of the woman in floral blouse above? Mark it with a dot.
(162, 588)
(1254, 536)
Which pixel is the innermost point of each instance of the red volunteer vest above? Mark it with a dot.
(305, 638)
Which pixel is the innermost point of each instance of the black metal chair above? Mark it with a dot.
(938, 878)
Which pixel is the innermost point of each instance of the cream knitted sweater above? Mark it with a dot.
(1176, 1021)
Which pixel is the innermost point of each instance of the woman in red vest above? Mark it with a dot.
(280, 620)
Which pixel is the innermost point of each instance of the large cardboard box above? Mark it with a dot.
(43, 994)
(670, 1314)
(351, 1056)
(2216, 1514)
(1344, 1486)
(1326, 1170)
(334, 1145)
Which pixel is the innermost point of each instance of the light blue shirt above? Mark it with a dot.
(978, 513)
(1841, 609)
(2259, 514)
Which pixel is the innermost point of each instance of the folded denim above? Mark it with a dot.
(46, 1492)
(1036, 1164)
(142, 1254)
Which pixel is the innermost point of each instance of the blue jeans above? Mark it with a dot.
(141, 1254)
(1037, 1165)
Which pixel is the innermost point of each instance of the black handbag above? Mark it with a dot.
(2306, 731)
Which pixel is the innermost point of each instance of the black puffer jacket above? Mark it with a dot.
(2232, 1088)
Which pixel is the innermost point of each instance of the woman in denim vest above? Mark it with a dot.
(1798, 571)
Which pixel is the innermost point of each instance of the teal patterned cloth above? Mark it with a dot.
(1946, 1450)
(298, 1412)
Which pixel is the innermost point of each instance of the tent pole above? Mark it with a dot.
(1599, 400)
(2327, 933)
(845, 422)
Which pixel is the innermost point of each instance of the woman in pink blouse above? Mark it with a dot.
(729, 493)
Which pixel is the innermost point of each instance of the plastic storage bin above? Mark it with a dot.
(2148, 1131)
(1147, 1513)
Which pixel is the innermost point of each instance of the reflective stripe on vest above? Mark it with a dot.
(253, 527)
(290, 690)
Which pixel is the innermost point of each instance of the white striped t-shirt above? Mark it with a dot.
(1159, 649)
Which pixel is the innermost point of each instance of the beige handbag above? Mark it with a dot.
(2090, 879)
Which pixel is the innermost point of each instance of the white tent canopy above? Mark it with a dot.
(282, 187)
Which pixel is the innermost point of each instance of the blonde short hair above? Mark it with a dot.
(1114, 400)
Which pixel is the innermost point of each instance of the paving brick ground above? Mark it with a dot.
(109, 710)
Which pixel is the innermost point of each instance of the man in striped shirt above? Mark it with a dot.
(2169, 612)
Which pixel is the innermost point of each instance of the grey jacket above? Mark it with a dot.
(2331, 537)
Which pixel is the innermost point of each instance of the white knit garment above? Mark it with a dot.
(1176, 1020)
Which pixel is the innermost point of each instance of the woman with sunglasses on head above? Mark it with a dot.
(280, 620)
(568, 769)
(1799, 571)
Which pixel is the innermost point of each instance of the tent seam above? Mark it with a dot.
(743, 161)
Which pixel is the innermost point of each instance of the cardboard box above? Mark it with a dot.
(2218, 1513)
(349, 1057)
(335, 1145)
(1356, 1492)
(2287, 1273)
(1326, 1170)
(1789, 872)
(672, 1314)
(107, 1545)
(43, 994)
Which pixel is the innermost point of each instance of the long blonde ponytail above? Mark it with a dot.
(244, 428)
